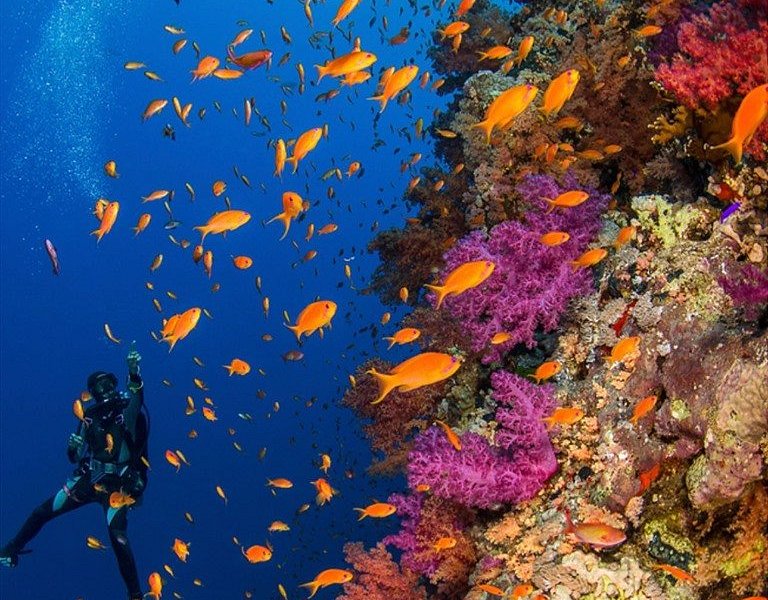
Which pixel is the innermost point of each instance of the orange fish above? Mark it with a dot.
(403, 336)
(275, 526)
(395, 84)
(256, 554)
(524, 49)
(227, 74)
(173, 459)
(648, 31)
(324, 491)
(314, 317)
(107, 221)
(326, 578)
(293, 204)
(623, 348)
(642, 408)
(546, 370)
(249, 60)
(466, 276)
(454, 29)
(154, 108)
(491, 589)
(205, 67)
(326, 229)
(208, 262)
(567, 200)
(346, 64)
(494, 53)
(242, 262)
(558, 92)
(304, 145)
(508, 105)
(110, 168)
(564, 415)
(625, 235)
(142, 223)
(676, 572)
(444, 543)
(179, 326)
(589, 258)
(554, 238)
(521, 590)
(280, 483)
(454, 439)
(280, 156)
(180, 549)
(751, 113)
(464, 7)
(222, 222)
(238, 366)
(420, 370)
(156, 195)
(648, 477)
(325, 463)
(500, 337)
(597, 535)
(155, 586)
(347, 6)
(377, 510)
(219, 187)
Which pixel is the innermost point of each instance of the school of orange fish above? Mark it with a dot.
(351, 68)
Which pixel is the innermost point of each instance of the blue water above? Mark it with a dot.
(68, 106)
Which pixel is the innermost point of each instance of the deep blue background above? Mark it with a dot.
(67, 107)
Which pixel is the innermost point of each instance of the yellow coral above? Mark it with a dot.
(667, 130)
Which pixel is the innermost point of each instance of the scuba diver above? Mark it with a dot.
(110, 449)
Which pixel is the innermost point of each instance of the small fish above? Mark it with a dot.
(554, 238)
(597, 535)
(444, 543)
(623, 348)
(676, 572)
(53, 255)
(642, 408)
(546, 370)
(564, 416)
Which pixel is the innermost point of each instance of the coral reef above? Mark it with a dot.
(668, 444)
(379, 577)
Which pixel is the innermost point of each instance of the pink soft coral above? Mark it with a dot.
(721, 52)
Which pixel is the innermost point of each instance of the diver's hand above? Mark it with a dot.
(75, 443)
(133, 359)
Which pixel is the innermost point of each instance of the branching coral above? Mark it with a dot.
(748, 288)
(378, 576)
(532, 283)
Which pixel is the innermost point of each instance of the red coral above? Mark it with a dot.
(722, 52)
(378, 576)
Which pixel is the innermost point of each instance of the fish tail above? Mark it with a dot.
(362, 513)
(569, 526)
(203, 230)
(294, 161)
(296, 330)
(551, 203)
(487, 128)
(391, 341)
(440, 291)
(483, 56)
(285, 219)
(734, 146)
(313, 586)
(230, 369)
(321, 72)
(98, 233)
(381, 99)
(386, 384)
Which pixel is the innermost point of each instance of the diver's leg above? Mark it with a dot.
(117, 522)
(64, 501)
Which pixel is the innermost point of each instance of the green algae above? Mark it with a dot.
(666, 221)
(679, 409)
(740, 565)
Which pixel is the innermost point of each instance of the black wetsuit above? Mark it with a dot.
(98, 475)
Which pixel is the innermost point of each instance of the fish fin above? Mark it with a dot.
(294, 161)
(440, 291)
(313, 586)
(295, 329)
(203, 230)
(386, 384)
(362, 513)
(569, 526)
(381, 99)
(391, 341)
(321, 72)
(733, 146)
(487, 128)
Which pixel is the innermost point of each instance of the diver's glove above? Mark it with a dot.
(133, 359)
(75, 447)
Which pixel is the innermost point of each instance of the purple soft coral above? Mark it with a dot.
(748, 288)
(481, 475)
(532, 283)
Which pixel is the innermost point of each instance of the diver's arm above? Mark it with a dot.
(75, 445)
(135, 388)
